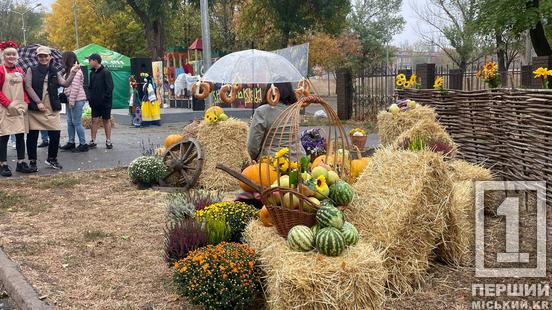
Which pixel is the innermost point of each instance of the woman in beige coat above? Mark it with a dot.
(42, 83)
(13, 111)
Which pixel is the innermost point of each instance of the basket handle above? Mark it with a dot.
(306, 101)
(240, 177)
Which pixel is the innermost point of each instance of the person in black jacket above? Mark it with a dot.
(101, 94)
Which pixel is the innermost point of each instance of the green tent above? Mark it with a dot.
(118, 64)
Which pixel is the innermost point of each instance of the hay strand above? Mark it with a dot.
(390, 125)
(297, 280)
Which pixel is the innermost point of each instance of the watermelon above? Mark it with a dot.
(315, 229)
(329, 216)
(300, 238)
(350, 233)
(327, 202)
(329, 241)
(341, 193)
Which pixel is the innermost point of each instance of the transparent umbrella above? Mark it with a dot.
(252, 66)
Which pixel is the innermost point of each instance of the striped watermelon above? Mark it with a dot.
(327, 202)
(329, 241)
(341, 193)
(315, 229)
(350, 233)
(329, 216)
(300, 238)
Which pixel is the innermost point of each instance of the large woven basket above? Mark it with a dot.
(283, 218)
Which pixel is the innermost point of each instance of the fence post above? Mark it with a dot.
(527, 76)
(426, 74)
(455, 79)
(541, 61)
(344, 89)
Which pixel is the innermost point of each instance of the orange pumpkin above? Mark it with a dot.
(264, 216)
(266, 173)
(215, 109)
(172, 139)
(357, 166)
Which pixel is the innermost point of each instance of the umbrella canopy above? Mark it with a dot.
(252, 66)
(27, 57)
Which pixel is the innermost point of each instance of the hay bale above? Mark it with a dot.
(428, 130)
(190, 130)
(399, 203)
(296, 280)
(87, 122)
(390, 125)
(222, 143)
(461, 170)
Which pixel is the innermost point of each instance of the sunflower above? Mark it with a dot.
(490, 66)
(281, 152)
(413, 79)
(438, 83)
(400, 82)
(407, 84)
(210, 117)
(294, 165)
(401, 76)
(281, 163)
(478, 74)
(542, 72)
(320, 183)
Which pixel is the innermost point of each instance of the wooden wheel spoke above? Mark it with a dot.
(189, 158)
(173, 155)
(184, 155)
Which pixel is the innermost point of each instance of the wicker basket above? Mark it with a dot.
(359, 141)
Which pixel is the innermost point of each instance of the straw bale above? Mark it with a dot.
(390, 125)
(427, 130)
(87, 122)
(225, 143)
(400, 201)
(190, 130)
(297, 280)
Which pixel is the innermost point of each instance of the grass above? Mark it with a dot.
(60, 182)
(10, 199)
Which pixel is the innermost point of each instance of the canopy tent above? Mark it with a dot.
(118, 64)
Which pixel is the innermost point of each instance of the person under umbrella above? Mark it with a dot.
(13, 109)
(42, 83)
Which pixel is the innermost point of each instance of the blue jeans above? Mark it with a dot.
(74, 123)
(44, 135)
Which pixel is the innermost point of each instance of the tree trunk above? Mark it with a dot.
(501, 57)
(154, 29)
(538, 35)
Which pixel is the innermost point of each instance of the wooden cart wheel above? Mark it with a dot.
(184, 161)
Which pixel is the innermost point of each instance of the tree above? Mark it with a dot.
(59, 24)
(11, 22)
(331, 52)
(518, 16)
(374, 22)
(453, 29)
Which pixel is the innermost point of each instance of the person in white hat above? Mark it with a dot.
(42, 83)
(13, 110)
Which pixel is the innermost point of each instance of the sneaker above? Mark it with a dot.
(81, 148)
(108, 145)
(23, 167)
(43, 144)
(68, 146)
(32, 166)
(53, 163)
(5, 171)
(92, 144)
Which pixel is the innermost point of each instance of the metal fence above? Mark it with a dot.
(373, 90)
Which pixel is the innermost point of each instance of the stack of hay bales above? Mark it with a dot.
(390, 125)
(457, 246)
(298, 280)
(190, 130)
(400, 203)
(222, 143)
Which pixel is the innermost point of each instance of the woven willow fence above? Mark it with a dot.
(506, 130)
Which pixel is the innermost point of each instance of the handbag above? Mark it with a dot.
(63, 97)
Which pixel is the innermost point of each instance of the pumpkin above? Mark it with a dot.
(264, 216)
(266, 173)
(215, 109)
(172, 139)
(322, 160)
(357, 166)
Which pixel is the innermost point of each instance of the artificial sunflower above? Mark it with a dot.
(400, 83)
(438, 84)
(294, 165)
(490, 66)
(407, 84)
(413, 79)
(321, 183)
(281, 163)
(401, 76)
(542, 73)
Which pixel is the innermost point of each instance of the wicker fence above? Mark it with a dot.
(506, 130)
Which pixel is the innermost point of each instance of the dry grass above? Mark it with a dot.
(400, 203)
(296, 280)
(222, 143)
(88, 240)
(390, 125)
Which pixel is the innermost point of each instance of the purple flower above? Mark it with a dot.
(313, 142)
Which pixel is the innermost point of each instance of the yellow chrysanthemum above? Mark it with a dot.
(281, 152)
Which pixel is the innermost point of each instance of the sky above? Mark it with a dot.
(407, 35)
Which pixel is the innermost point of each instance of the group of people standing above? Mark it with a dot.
(30, 103)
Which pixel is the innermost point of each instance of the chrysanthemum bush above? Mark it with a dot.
(218, 277)
(146, 170)
(235, 213)
(182, 238)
